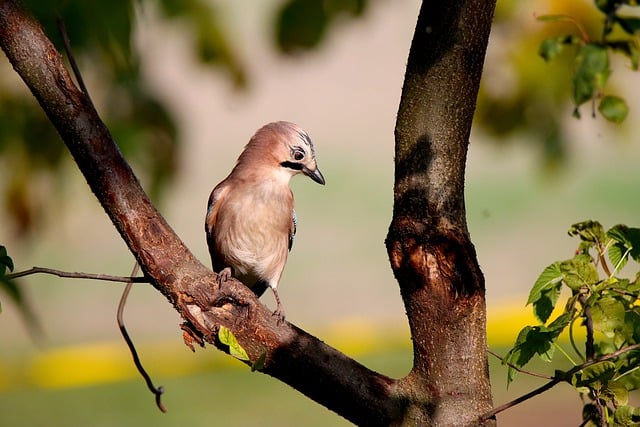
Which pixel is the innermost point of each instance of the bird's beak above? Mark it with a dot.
(315, 175)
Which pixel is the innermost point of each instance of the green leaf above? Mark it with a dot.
(613, 108)
(556, 327)
(595, 375)
(629, 24)
(628, 237)
(632, 326)
(588, 231)
(616, 392)
(627, 416)
(519, 355)
(543, 308)
(6, 263)
(608, 315)
(618, 255)
(592, 72)
(548, 279)
(534, 340)
(552, 47)
(579, 271)
(226, 337)
(301, 24)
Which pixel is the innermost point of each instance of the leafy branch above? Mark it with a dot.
(606, 305)
(556, 379)
(591, 69)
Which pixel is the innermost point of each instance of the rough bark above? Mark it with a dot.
(428, 242)
(429, 246)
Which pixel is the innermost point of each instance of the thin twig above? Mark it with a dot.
(74, 66)
(492, 413)
(524, 371)
(69, 275)
(602, 412)
(567, 18)
(603, 261)
(572, 340)
(132, 348)
(565, 377)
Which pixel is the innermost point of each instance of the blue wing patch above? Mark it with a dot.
(294, 223)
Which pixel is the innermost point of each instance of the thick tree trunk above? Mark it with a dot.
(428, 242)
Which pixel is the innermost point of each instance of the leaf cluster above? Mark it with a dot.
(606, 306)
(303, 24)
(100, 36)
(591, 62)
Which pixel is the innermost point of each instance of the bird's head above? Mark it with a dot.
(285, 146)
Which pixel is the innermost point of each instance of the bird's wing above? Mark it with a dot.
(292, 230)
(210, 223)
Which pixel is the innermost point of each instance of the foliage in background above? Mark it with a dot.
(607, 306)
(525, 98)
(591, 64)
(522, 103)
(101, 40)
(303, 24)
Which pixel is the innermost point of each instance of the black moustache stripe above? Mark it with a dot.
(292, 165)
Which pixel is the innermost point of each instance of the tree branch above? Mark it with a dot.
(157, 391)
(492, 413)
(523, 371)
(563, 377)
(69, 275)
(590, 349)
(293, 356)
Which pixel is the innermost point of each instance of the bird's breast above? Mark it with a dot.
(253, 235)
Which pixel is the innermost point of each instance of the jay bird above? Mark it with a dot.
(251, 222)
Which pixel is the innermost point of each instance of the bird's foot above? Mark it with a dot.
(279, 315)
(224, 275)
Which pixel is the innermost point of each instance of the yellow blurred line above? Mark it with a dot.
(107, 362)
(505, 320)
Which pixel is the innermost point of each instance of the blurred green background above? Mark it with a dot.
(182, 101)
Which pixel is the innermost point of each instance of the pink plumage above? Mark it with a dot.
(250, 220)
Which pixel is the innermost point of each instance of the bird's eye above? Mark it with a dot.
(298, 155)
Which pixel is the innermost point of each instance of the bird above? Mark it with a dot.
(251, 221)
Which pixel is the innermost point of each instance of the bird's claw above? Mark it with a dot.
(224, 275)
(279, 315)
